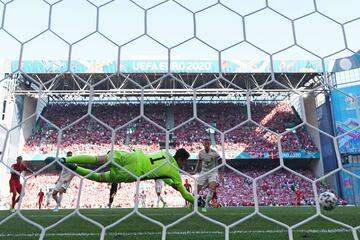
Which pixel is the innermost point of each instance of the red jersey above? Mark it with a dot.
(18, 167)
(41, 195)
(188, 187)
(298, 194)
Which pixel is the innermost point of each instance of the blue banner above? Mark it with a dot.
(274, 155)
(350, 185)
(161, 66)
(347, 185)
(347, 121)
(347, 63)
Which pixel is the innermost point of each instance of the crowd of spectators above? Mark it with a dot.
(90, 132)
(276, 189)
(84, 133)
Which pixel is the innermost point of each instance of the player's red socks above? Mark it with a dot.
(13, 201)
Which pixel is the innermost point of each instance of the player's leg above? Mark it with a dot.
(212, 178)
(70, 162)
(212, 190)
(98, 177)
(158, 199)
(202, 182)
(163, 201)
(18, 190)
(87, 159)
(113, 191)
(111, 200)
(13, 198)
(18, 198)
(214, 201)
(15, 189)
(57, 195)
(61, 193)
(143, 203)
(54, 195)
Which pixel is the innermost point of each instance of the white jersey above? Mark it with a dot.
(209, 159)
(48, 197)
(64, 180)
(142, 196)
(158, 185)
(65, 175)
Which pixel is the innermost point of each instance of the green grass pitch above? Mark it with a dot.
(196, 226)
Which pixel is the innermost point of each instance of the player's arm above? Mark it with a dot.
(29, 170)
(184, 193)
(198, 164)
(179, 186)
(72, 176)
(12, 171)
(57, 180)
(221, 169)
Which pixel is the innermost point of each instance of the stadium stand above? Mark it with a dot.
(88, 135)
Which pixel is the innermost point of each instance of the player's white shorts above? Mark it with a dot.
(207, 177)
(60, 184)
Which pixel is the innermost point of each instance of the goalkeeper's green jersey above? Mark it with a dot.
(139, 163)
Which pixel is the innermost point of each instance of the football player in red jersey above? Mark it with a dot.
(41, 198)
(188, 187)
(15, 184)
(298, 197)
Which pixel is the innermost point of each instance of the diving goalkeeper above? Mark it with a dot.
(136, 162)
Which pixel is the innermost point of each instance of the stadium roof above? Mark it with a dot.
(203, 75)
(158, 84)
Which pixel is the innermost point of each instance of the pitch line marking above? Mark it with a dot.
(85, 234)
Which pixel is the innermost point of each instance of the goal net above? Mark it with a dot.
(273, 86)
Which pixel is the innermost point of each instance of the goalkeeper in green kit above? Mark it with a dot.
(136, 162)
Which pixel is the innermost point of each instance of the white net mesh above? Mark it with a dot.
(253, 77)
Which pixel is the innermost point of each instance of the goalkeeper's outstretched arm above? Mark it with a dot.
(177, 184)
(184, 193)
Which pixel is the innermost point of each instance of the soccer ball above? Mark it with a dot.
(327, 200)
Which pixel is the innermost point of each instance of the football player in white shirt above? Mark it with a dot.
(48, 197)
(62, 184)
(209, 160)
(142, 197)
(158, 189)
